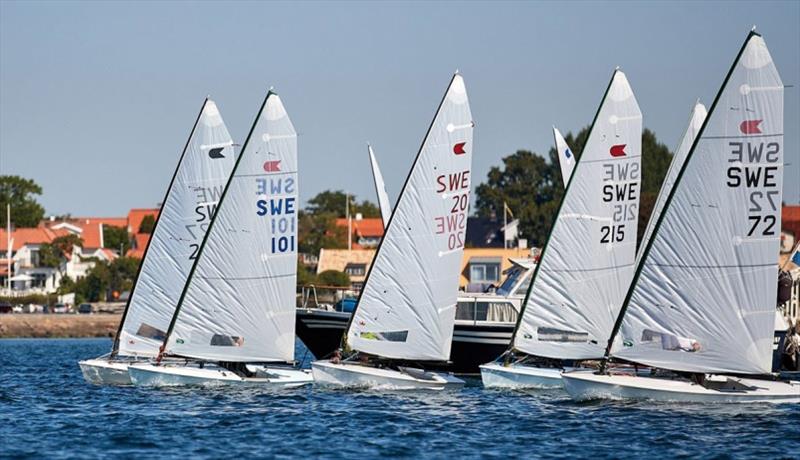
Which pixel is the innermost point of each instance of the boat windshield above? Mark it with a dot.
(511, 281)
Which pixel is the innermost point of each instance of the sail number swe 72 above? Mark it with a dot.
(754, 166)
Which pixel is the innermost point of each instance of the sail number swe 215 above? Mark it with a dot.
(455, 188)
(621, 191)
(754, 166)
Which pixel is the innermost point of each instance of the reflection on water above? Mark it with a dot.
(46, 409)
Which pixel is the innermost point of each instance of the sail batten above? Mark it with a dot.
(187, 209)
(239, 302)
(588, 260)
(704, 295)
(407, 307)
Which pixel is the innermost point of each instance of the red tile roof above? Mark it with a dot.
(135, 217)
(23, 236)
(790, 219)
(367, 227)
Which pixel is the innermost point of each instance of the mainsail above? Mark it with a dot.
(187, 209)
(588, 260)
(696, 119)
(380, 188)
(407, 307)
(566, 159)
(703, 299)
(239, 302)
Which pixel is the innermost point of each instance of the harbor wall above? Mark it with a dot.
(58, 325)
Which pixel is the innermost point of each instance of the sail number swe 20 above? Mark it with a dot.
(455, 189)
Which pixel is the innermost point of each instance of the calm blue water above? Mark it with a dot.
(47, 410)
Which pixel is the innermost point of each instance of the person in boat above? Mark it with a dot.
(791, 348)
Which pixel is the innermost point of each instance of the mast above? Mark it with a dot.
(115, 347)
(649, 244)
(558, 212)
(210, 226)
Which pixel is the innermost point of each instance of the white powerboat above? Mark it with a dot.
(203, 168)
(406, 310)
(702, 303)
(234, 322)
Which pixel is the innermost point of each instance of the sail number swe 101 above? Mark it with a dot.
(455, 187)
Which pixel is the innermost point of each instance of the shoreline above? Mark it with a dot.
(40, 326)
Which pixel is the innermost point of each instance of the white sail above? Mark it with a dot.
(587, 263)
(240, 299)
(566, 159)
(380, 188)
(696, 120)
(407, 307)
(202, 172)
(704, 297)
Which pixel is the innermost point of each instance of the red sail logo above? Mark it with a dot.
(617, 150)
(458, 149)
(750, 127)
(272, 166)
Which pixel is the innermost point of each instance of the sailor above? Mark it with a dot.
(791, 348)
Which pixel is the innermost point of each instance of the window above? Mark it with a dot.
(356, 269)
(219, 340)
(549, 334)
(484, 272)
(151, 332)
(484, 310)
(512, 276)
(388, 336)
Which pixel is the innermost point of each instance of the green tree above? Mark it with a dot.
(304, 275)
(333, 278)
(532, 187)
(122, 273)
(335, 202)
(317, 231)
(52, 254)
(94, 286)
(116, 237)
(21, 194)
(148, 224)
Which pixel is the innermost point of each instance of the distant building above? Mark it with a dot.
(27, 273)
(354, 262)
(367, 232)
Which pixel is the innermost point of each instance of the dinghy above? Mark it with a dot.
(405, 314)
(701, 307)
(380, 189)
(234, 323)
(186, 210)
(587, 261)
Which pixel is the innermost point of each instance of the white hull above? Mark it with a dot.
(587, 385)
(495, 375)
(101, 371)
(180, 375)
(353, 375)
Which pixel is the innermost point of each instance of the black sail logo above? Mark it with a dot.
(216, 152)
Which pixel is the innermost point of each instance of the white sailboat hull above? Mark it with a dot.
(151, 375)
(496, 375)
(101, 371)
(587, 385)
(352, 375)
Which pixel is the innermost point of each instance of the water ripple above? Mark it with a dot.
(46, 410)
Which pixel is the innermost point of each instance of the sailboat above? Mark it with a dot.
(696, 119)
(380, 189)
(406, 311)
(566, 159)
(587, 261)
(204, 166)
(234, 323)
(700, 311)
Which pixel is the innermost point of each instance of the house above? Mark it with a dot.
(355, 263)
(367, 232)
(482, 268)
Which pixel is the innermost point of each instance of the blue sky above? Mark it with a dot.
(97, 99)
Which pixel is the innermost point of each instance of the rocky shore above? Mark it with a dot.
(53, 325)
